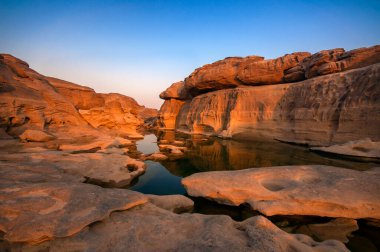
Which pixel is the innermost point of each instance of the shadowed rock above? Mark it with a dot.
(293, 190)
(147, 228)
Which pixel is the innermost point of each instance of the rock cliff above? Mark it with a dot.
(30, 100)
(326, 98)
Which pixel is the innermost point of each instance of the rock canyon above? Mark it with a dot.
(292, 143)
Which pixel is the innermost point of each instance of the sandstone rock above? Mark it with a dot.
(80, 96)
(337, 229)
(293, 190)
(325, 110)
(28, 101)
(359, 148)
(4, 135)
(157, 156)
(168, 113)
(173, 203)
(147, 228)
(172, 148)
(114, 112)
(39, 203)
(99, 143)
(36, 136)
(175, 91)
(218, 75)
(337, 60)
(268, 71)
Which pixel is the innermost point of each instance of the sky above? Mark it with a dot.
(139, 48)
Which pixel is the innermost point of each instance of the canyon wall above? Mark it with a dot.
(30, 100)
(326, 98)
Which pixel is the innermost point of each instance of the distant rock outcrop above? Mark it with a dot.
(302, 98)
(30, 100)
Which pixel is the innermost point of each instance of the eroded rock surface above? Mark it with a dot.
(39, 203)
(147, 228)
(293, 190)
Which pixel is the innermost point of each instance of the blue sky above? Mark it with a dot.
(138, 48)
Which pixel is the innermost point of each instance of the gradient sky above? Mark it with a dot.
(138, 48)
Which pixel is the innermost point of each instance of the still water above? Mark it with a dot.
(212, 154)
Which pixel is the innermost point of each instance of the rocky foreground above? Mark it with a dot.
(330, 97)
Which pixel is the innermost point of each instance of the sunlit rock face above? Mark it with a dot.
(28, 101)
(327, 106)
(168, 113)
(115, 112)
(293, 190)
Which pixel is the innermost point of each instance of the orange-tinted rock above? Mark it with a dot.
(36, 136)
(39, 203)
(268, 71)
(28, 101)
(151, 228)
(175, 91)
(293, 190)
(337, 60)
(117, 113)
(326, 110)
(167, 115)
(80, 96)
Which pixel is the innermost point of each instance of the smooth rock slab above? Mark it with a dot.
(149, 228)
(39, 203)
(360, 148)
(293, 190)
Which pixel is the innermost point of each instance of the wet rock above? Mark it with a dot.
(293, 190)
(40, 203)
(147, 227)
(36, 136)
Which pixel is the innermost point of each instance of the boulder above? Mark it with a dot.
(175, 91)
(293, 190)
(36, 136)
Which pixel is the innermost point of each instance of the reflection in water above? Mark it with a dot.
(158, 180)
(148, 145)
(212, 154)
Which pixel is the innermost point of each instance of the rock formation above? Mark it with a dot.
(327, 98)
(32, 101)
(293, 190)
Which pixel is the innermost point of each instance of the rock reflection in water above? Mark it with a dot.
(214, 154)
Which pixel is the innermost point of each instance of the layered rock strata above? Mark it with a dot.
(327, 98)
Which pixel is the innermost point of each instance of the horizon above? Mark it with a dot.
(139, 48)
